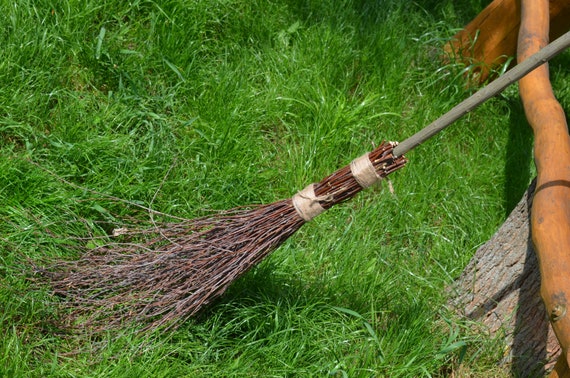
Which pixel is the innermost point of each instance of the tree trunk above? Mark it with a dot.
(500, 290)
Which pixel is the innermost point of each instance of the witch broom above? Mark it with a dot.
(185, 266)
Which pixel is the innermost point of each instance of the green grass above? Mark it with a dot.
(191, 106)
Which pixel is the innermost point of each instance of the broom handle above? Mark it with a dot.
(482, 95)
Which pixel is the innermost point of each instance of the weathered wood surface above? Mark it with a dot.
(519, 282)
(550, 217)
(500, 291)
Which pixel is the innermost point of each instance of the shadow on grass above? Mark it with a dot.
(269, 288)
(518, 156)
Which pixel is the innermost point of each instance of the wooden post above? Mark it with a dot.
(550, 215)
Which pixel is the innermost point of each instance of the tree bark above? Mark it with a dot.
(506, 288)
(500, 291)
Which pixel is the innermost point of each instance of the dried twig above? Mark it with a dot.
(163, 275)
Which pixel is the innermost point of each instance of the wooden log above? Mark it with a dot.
(500, 291)
(490, 39)
(550, 216)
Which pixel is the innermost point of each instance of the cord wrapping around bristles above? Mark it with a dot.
(307, 203)
(179, 268)
(364, 172)
(342, 185)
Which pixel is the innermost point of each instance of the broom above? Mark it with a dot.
(182, 267)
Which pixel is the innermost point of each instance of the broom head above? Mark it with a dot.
(182, 267)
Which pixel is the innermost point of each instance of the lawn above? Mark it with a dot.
(188, 107)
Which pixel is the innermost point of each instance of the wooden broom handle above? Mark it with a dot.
(482, 95)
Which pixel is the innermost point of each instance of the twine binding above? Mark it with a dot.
(363, 171)
(307, 203)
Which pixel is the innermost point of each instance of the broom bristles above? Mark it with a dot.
(183, 267)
